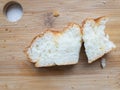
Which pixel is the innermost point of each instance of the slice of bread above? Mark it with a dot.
(56, 48)
(96, 42)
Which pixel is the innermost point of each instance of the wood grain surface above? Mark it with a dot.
(17, 73)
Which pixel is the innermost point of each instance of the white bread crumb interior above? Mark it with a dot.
(56, 48)
(96, 42)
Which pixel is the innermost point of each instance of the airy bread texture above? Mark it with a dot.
(96, 42)
(56, 48)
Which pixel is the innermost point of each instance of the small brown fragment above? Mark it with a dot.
(56, 13)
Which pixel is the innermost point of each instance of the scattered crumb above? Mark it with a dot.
(56, 13)
(103, 63)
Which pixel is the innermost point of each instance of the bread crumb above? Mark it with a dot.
(103, 63)
(56, 13)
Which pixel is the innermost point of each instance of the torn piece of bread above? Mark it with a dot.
(56, 48)
(95, 40)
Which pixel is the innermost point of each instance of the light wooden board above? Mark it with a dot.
(17, 73)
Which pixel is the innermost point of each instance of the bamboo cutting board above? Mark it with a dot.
(17, 73)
